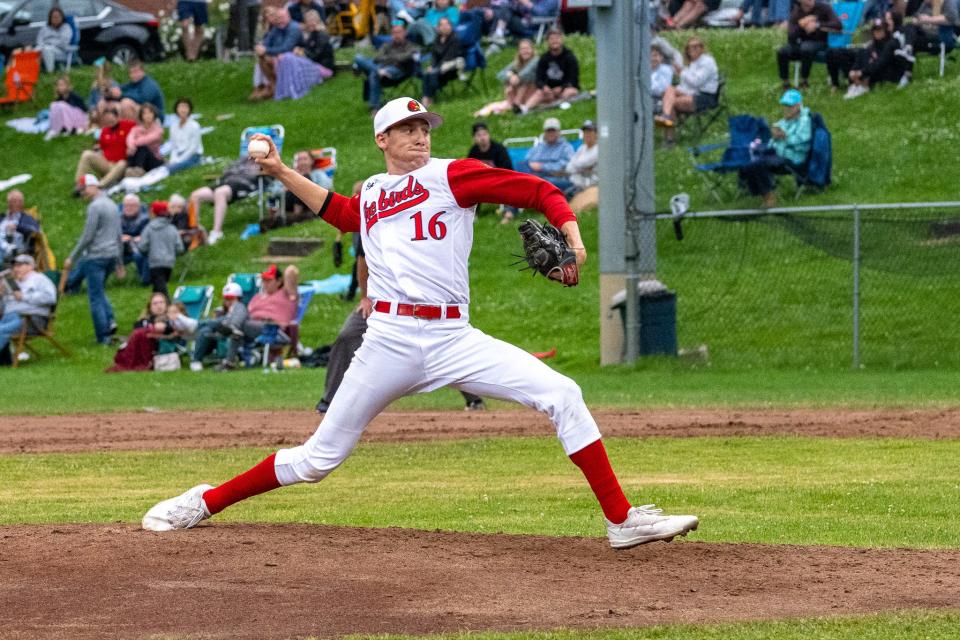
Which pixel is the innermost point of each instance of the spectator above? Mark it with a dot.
(228, 322)
(17, 227)
(191, 234)
(294, 208)
(778, 11)
(298, 10)
(186, 140)
(136, 353)
(183, 325)
(582, 167)
(53, 39)
(807, 30)
(407, 11)
(160, 242)
(193, 16)
(133, 220)
(424, 30)
(864, 67)
(690, 12)
(548, 158)
(141, 89)
(110, 161)
(276, 303)
(143, 143)
(33, 295)
(697, 91)
(503, 17)
(282, 36)
(661, 78)
(237, 181)
(519, 80)
(922, 35)
(395, 61)
(446, 61)
(68, 112)
(105, 91)
(558, 74)
(493, 154)
(792, 136)
(100, 248)
(309, 64)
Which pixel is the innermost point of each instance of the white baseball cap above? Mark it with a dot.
(401, 109)
(232, 290)
(551, 123)
(89, 180)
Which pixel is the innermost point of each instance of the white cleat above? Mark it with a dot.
(648, 524)
(183, 512)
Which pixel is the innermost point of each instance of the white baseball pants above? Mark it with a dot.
(404, 355)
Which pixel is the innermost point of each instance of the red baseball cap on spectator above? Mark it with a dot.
(271, 273)
(159, 208)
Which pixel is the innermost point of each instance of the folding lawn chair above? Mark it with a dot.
(816, 173)
(21, 78)
(196, 298)
(700, 121)
(276, 133)
(744, 129)
(33, 327)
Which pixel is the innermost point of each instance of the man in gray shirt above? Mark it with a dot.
(101, 251)
(27, 293)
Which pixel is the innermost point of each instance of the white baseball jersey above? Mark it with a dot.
(417, 228)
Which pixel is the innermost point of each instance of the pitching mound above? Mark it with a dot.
(208, 429)
(257, 581)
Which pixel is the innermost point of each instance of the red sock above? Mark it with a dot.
(259, 479)
(595, 465)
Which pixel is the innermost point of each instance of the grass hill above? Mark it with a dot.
(889, 146)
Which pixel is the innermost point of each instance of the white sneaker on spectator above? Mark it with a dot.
(855, 91)
(214, 237)
(196, 366)
(50, 135)
(904, 81)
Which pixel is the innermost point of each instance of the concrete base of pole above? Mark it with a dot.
(611, 326)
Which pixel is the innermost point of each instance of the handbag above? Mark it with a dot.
(166, 362)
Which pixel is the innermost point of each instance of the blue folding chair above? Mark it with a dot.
(744, 130)
(816, 172)
(74, 47)
(196, 298)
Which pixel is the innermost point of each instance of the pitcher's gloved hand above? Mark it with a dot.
(546, 251)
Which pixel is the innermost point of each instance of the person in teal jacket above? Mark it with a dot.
(789, 148)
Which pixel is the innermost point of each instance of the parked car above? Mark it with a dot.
(106, 28)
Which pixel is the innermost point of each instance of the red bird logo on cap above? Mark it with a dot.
(413, 105)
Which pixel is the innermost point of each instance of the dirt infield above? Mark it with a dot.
(257, 581)
(205, 429)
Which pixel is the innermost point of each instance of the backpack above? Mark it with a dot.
(820, 163)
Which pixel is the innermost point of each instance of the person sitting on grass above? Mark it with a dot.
(191, 234)
(867, 66)
(792, 136)
(142, 89)
(68, 112)
(282, 37)
(143, 142)
(160, 243)
(309, 64)
(186, 140)
(136, 353)
(519, 80)
(109, 161)
(228, 321)
(697, 91)
(558, 74)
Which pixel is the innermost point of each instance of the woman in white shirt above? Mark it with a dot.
(185, 138)
(53, 39)
(697, 91)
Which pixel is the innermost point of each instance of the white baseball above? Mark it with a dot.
(258, 148)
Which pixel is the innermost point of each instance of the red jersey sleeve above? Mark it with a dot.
(341, 212)
(473, 182)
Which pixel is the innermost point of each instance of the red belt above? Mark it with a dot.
(424, 311)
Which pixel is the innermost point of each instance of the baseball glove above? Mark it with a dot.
(546, 251)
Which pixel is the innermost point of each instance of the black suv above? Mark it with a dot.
(106, 28)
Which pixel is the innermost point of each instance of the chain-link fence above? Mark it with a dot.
(871, 285)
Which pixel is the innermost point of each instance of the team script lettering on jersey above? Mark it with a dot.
(391, 203)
